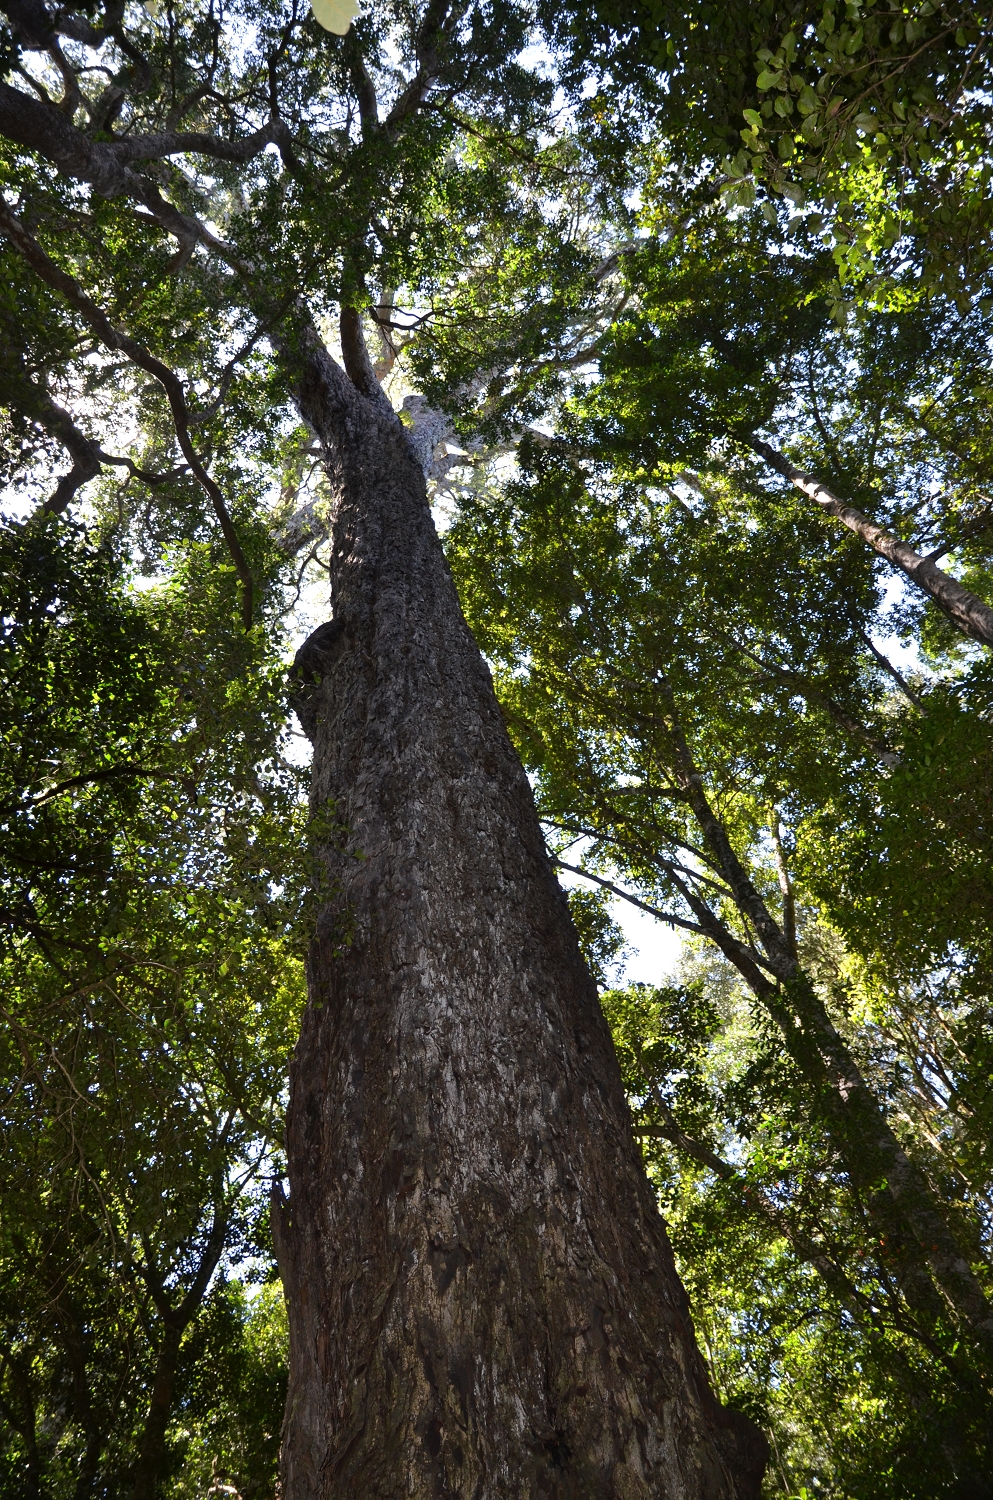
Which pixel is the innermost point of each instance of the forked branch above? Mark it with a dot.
(115, 338)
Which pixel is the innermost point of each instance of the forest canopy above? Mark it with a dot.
(686, 313)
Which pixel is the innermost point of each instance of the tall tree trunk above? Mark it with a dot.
(895, 1191)
(482, 1297)
(147, 1475)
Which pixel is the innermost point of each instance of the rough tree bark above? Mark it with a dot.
(482, 1297)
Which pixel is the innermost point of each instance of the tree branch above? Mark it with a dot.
(46, 129)
(438, 18)
(608, 885)
(86, 778)
(363, 87)
(84, 452)
(358, 365)
(746, 897)
(193, 143)
(114, 338)
(38, 29)
(888, 666)
(966, 611)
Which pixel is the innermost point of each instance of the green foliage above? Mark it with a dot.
(872, 114)
(153, 861)
(600, 937)
(913, 851)
(524, 283)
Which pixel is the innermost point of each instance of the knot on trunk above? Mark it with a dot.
(309, 667)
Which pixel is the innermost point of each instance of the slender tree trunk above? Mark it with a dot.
(924, 1247)
(896, 1194)
(22, 1418)
(74, 1350)
(150, 1464)
(972, 615)
(482, 1298)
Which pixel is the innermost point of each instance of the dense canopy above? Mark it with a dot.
(687, 314)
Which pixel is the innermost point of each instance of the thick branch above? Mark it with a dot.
(84, 452)
(439, 17)
(193, 143)
(38, 29)
(735, 952)
(364, 89)
(355, 354)
(46, 129)
(87, 456)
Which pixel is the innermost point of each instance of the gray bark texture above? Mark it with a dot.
(483, 1301)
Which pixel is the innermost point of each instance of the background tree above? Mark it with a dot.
(152, 862)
